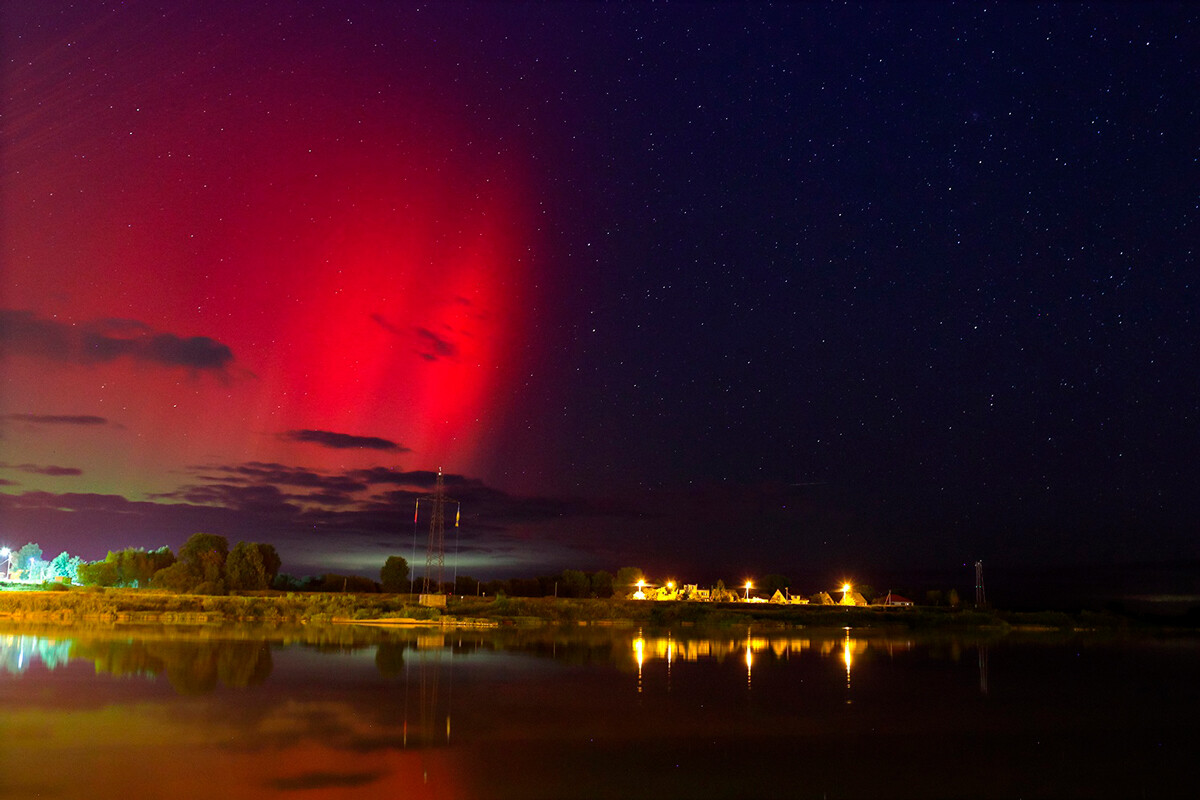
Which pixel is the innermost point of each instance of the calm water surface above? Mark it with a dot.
(340, 711)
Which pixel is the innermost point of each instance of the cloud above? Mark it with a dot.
(57, 419)
(430, 346)
(101, 341)
(387, 326)
(343, 441)
(37, 469)
(434, 346)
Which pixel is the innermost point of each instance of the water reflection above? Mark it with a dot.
(669, 648)
(192, 667)
(344, 712)
(17, 653)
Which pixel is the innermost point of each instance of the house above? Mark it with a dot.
(893, 599)
(853, 598)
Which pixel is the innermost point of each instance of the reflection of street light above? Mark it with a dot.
(748, 585)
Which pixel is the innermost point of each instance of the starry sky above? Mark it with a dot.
(711, 289)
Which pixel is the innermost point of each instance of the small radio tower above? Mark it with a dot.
(980, 594)
(435, 555)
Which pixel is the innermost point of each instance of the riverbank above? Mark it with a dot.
(145, 606)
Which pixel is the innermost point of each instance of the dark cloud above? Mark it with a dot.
(434, 346)
(280, 475)
(40, 469)
(57, 419)
(387, 326)
(343, 441)
(196, 352)
(24, 333)
(501, 535)
(256, 499)
(420, 478)
(51, 470)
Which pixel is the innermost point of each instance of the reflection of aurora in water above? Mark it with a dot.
(350, 711)
(17, 653)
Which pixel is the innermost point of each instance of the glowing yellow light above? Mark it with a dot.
(671, 585)
(845, 588)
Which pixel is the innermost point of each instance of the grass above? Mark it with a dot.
(68, 604)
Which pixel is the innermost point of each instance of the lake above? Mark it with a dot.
(144, 711)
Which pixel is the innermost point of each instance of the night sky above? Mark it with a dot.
(713, 290)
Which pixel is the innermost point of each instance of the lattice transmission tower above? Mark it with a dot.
(435, 554)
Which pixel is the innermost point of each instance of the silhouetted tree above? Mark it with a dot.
(331, 582)
(574, 584)
(394, 575)
(602, 584)
(244, 568)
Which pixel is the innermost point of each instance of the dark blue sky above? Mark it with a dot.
(711, 289)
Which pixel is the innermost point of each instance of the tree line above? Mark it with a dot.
(205, 565)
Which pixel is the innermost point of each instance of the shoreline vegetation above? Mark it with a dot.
(93, 605)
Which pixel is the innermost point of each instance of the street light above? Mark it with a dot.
(748, 585)
(6, 554)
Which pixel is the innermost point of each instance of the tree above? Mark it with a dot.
(394, 575)
(98, 573)
(270, 560)
(175, 578)
(204, 555)
(244, 568)
(25, 561)
(602, 584)
(131, 567)
(65, 566)
(574, 584)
